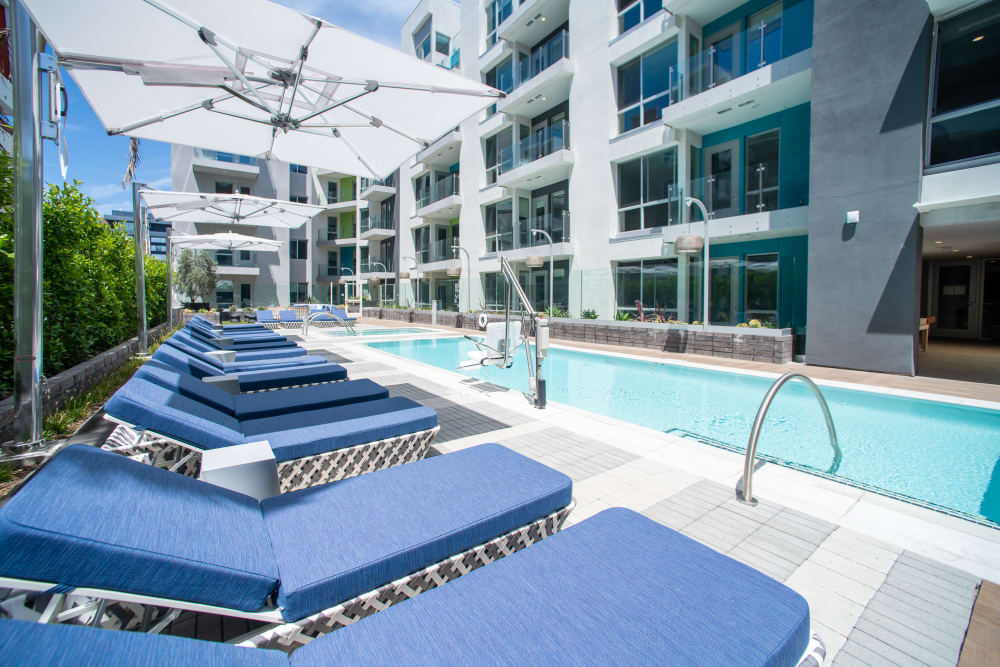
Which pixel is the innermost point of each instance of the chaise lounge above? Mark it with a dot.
(98, 538)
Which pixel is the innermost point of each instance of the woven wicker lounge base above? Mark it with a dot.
(302, 473)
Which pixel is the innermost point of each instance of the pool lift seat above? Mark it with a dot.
(503, 339)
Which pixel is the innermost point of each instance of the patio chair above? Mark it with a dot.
(249, 327)
(574, 598)
(310, 447)
(265, 318)
(250, 335)
(100, 539)
(250, 341)
(246, 360)
(249, 381)
(289, 319)
(259, 405)
(189, 342)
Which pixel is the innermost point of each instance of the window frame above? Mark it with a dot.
(644, 100)
(748, 313)
(759, 191)
(643, 204)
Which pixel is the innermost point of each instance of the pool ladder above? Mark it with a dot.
(746, 494)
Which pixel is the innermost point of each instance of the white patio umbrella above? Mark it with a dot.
(251, 77)
(227, 209)
(225, 241)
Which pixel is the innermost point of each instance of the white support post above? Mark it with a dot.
(170, 281)
(140, 267)
(28, 406)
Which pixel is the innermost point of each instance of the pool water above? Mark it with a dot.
(401, 331)
(935, 453)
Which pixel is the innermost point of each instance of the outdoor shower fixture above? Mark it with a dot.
(690, 244)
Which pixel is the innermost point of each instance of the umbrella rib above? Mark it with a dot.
(334, 105)
(378, 122)
(303, 54)
(237, 94)
(361, 159)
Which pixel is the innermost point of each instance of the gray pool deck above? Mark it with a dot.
(887, 582)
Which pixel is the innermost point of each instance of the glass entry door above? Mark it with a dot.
(957, 306)
(722, 164)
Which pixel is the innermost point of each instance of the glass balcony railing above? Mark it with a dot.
(445, 187)
(541, 58)
(328, 272)
(327, 234)
(763, 43)
(220, 156)
(377, 265)
(534, 147)
(376, 222)
(556, 224)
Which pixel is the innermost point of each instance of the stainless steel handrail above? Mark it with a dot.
(746, 495)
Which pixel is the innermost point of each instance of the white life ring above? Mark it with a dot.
(482, 320)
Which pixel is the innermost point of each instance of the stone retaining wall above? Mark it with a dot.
(74, 381)
(772, 346)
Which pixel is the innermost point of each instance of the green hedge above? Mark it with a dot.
(88, 276)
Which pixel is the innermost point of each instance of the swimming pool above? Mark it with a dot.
(386, 331)
(934, 453)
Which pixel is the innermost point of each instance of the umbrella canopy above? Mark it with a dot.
(227, 209)
(248, 76)
(225, 241)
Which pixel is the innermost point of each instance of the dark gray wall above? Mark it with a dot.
(869, 91)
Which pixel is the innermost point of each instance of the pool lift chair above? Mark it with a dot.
(328, 317)
(503, 339)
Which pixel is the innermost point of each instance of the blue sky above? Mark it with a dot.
(99, 160)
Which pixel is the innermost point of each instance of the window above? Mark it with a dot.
(965, 113)
(633, 12)
(243, 189)
(298, 199)
(422, 39)
(224, 257)
(499, 155)
(442, 43)
(653, 283)
(497, 12)
(422, 291)
(223, 188)
(331, 192)
(456, 59)
(500, 77)
(493, 291)
(298, 292)
(499, 220)
(761, 297)
(246, 295)
(648, 195)
(422, 190)
(296, 169)
(647, 85)
(298, 249)
(245, 258)
(762, 172)
(224, 293)
(422, 244)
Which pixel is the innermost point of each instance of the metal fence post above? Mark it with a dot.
(140, 267)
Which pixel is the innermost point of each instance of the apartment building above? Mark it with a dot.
(156, 231)
(313, 258)
(848, 160)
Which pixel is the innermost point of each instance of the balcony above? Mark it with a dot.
(531, 20)
(523, 244)
(224, 164)
(328, 273)
(726, 85)
(541, 159)
(237, 263)
(377, 228)
(444, 200)
(328, 237)
(379, 190)
(439, 256)
(443, 152)
(492, 56)
(379, 267)
(541, 80)
(649, 34)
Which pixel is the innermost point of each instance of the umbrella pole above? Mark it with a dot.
(170, 281)
(28, 406)
(140, 268)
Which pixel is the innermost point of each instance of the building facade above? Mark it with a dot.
(313, 257)
(836, 153)
(156, 231)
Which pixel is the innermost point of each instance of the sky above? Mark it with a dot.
(99, 161)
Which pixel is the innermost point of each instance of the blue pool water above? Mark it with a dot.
(388, 331)
(936, 453)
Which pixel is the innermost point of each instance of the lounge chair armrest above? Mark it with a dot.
(249, 469)
(229, 382)
(223, 356)
(225, 342)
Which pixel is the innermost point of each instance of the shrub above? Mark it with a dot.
(623, 316)
(589, 314)
(88, 282)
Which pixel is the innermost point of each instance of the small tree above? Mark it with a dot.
(196, 275)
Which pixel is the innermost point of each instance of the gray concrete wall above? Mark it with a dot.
(869, 92)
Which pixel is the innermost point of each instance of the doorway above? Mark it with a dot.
(721, 163)
(955, 299)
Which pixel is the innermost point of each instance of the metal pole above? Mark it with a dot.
(691, 201)
(552, 285)
(357, 259)
(468, 276)
(140, 268)
(28, 405)
(170, 281)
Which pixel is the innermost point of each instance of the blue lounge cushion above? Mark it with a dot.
(238, 366)
(238, 342)
(616, 588)
(91, 518)
(329, 429)
(288, 316)
(400, 520)
(284, 377)
(24, 643)
(339, 312)
(255, 406)
(265, 316)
